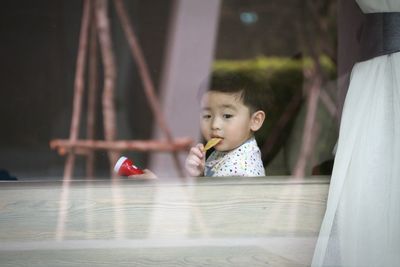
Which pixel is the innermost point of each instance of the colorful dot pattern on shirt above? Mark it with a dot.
(242, 161)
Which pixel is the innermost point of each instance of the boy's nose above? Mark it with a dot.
(215, 124)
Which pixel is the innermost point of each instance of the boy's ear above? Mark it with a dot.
(257, 120)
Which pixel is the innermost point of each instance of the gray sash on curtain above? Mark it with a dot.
(380, 35)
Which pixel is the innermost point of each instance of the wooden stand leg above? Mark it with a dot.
(78, 87)
(92, 95)
(106, 46)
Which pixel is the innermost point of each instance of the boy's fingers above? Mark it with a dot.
(194, 162)
(150, 174)
(200, 146)
(146, 175)
(197, 151)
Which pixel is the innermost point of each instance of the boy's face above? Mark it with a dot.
(225, 116)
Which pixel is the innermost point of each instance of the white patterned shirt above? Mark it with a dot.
(244, 160)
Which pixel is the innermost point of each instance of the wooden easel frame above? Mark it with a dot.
(95, 24)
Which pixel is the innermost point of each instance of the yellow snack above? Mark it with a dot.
(212, 142)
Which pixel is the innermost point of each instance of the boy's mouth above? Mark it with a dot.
(211, 143)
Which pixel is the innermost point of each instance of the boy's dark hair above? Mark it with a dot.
(253, 96)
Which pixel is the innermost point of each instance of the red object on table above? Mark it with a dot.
(125, 167)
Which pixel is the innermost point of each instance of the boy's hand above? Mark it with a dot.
(147, 175)
(196, 161)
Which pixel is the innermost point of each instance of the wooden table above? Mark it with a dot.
(268, 221)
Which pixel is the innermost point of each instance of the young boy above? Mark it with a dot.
(232, 111)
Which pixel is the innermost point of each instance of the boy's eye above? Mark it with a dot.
(206, 116)
(227, 116)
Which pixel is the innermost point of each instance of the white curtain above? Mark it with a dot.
(361, 226)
